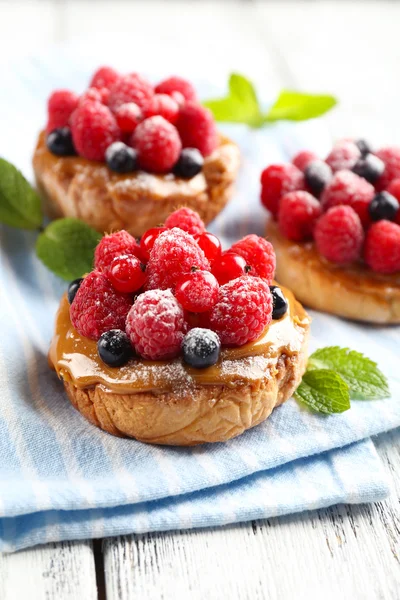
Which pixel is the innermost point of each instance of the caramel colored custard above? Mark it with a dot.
(75, 358)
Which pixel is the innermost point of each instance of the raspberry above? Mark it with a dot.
(94, 128)
(95, 95)
(97, 307)
(128, 117)
(259, 254)
(176, 84)
(110, 246)
(348, 188)
(156, 325)
(303, 159)
(130, 88)
(157, 143)
(174, 254)
(60, 107)
(186, 219)
(127, 274)
(197, 128)
(229, 266)
(164, 105)
(394, 188)
(198, 291)
(277, 180)
(343, 155)
(339, 235)
(104, 77)
(148, 239)
(243, 311)
(391, 158)
(382, 247)
(298, 214)
(210, 245)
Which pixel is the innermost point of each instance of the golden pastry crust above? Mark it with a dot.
(87, 190)
(353, 292)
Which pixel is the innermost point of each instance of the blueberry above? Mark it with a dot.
(121, 158)
(363, 146)
(317, 175)
(280, 304)
(114, 348)
(383, 206)
(370, 167)
(189, 164)
(73, 288)
(201, 348)
(59, 142)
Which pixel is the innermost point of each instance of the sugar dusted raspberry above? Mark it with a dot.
(164, 105)
(114, 245)
(298, 214)
(175, 253)
(394, 188)
(382, 247)
(186, 219)
(339, 235)
(94, 95)
(176, 84)
(156, 325)
(97, 307)
(391, 158)
(157, 143)
(197, 291)
(350, 189)
(128, 117)
(130, 88)
(104, 77)
(94, 128)
(197, 128)
(259, 254)
(277, 180)
(243, 310)
(60, 106)
(343, 155)
(303, 159)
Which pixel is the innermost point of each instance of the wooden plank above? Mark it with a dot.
(64, 571)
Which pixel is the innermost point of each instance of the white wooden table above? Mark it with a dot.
(347, 552)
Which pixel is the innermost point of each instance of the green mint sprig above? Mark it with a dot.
(335, 375)
(241, 105)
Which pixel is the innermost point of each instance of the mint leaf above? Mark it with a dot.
(362, 375)
(19, 203)
(324, 391)
(67, 246)
(240, 105)
(295, 106)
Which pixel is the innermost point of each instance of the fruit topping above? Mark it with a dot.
(382, 247)
(259, 254)
(201, 348)
(111, 246)
(279, 302)
(176, 84)
(363, 146)
(163, 105)
(391, 159)
(157, 143)
(186, 219)
(370, 167)
(60, 107)
(127, 274)
(303, 159)
(348, 188)
(147, 240)
(197, 128)
(190, 163)
(383, 206)
(59, 142)
(130, 88)
(73, 288)
(298, 214)
(210, 245)
(317, 175)
(229, 266)
(94, 128)
(121, 158)
(343, 155)
(339, 235)
(128, 117)
(277, 180)
(104, 77)
(197, 291)
(114, 348)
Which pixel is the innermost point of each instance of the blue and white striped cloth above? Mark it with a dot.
(61, 478)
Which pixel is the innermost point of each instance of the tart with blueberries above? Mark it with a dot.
(336, 229)
(172, 341)
(125, 154)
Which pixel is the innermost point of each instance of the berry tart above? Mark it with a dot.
(336, 229)
(125, 154)
(172, 341)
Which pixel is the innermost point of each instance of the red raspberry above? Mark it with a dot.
(348, 188)
(391, 159)
(243, 311)
(104, 77)
(259, 254)
(298, 214)
(210, 245)
(110, 246)
(174, 254)
(382, 247)
(156, 325)
(164, 105)
(277, 180)
(179, 98)
(197, 292)
(127, 274)
(343, 155)
(339, 235)
(197, 128)
(128, 117)
(176, 84)
(157, 143)
(94, 95)
(94, 128)
(130, 88)
(186, 219)
(229, 266)
(303, 159)
(60, 107)
(97, 307)
(394, 188)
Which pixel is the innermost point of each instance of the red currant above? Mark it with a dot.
(210, 245)
(128, 116)
(127, 274)
(148, 239)
(229, 266)
(198, 291)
